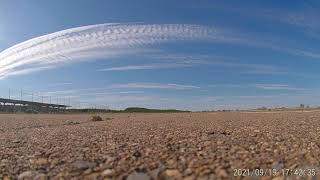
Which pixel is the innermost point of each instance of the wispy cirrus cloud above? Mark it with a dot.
(113, 40)
(147, 67)
(174, 61)
(153, 86)
(60, 84)
(95, 41)
(277, 87)
(266, 87)
(114, 89)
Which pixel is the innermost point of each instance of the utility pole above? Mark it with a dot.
(21, 105)
(32, 101)
(9, 93)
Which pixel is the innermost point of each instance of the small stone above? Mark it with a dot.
(88, 171)
(155, 173)
(85, 149)
(256, 131)
(138, 176)
(188, 171)
(80, 165)
(189, 178)
(227, 132)
(40, 177)
(16, 141)
(72, 123)
(3, 162)
(222, 173)
(41, 161)
(173, 173)
(108, 173)
(137, 154)
(219, 142)
(27, 175)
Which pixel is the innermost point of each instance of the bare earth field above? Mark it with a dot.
(160, 146)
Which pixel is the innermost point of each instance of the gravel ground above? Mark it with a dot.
(159, 146)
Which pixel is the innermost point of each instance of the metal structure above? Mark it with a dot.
(13, 100)
(11, 105)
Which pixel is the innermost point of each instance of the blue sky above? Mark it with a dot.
(161, 54)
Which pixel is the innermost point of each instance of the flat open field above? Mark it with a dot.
(159, 146)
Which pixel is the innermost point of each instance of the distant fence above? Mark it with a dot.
(36, 98)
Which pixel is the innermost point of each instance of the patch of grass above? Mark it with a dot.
(96, 118)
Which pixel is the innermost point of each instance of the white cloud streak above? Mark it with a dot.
(153, 86)
(277, 87)
(174, 61)
(95, 41)
(266, 87)
(147, 67)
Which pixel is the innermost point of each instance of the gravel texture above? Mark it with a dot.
(158, 146)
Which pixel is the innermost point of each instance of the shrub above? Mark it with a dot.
(96, 118)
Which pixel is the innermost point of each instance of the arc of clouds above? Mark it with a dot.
(92, 42)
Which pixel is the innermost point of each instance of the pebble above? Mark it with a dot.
(108, 173)
(40, 177)
(222, 173)
(27, 175)
(138, 176)
(80, 165)
(137, 154)
(188, 171)
(173, 173)
(40, 162)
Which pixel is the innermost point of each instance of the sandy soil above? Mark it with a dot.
(160, 146)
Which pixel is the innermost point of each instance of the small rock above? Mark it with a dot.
(222, 173)
(189, 178)
(256, 131)
(155, 173)
(226, 132)
(85, 149)
(188, 171)
(3, 162)
(40, 177)
(16, 141)
(41, 161)
(137, 154)
(72, 123)
(173, 173)
(27, 175)
(80, 165)
(108, 173)
(138, 176)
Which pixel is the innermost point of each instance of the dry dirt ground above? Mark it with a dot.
(161, 146)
